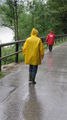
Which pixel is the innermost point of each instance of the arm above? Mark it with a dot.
(41, 50)
(24, 47)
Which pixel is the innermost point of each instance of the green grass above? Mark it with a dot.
(59, 42)
(1, 75)
(10, 50)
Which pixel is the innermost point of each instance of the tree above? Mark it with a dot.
(57, 12)
(10, 15)
(37, 11)
(13, 9)
(44, 16)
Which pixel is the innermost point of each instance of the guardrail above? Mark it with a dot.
(17, 51)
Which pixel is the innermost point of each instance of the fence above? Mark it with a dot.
(17, 43)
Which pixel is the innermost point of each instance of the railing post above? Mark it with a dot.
(17, 46)
(0, 58)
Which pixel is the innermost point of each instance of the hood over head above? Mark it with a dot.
(51, 32)
(34, 32)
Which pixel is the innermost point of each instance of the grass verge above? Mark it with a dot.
(1, 75)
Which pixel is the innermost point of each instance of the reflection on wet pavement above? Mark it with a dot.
(32, 108)
(47, 100)
(50, 62)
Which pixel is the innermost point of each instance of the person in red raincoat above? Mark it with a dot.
(50, 40)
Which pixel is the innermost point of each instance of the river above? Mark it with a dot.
(6, 35)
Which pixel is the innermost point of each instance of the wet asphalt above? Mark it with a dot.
(47, 100)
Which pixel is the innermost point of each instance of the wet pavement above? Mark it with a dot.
(47, 100)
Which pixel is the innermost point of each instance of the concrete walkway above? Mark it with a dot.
(47, 100)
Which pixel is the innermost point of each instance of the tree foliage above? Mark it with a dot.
(43, 16)
(58, 15)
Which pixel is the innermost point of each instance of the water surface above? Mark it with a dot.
(6, 35)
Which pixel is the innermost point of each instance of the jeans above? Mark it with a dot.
(33, 70)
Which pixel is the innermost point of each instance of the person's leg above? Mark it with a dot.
(34, 71)
(30, 72)
(50, 48)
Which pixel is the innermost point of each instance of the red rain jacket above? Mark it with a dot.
(50, 38)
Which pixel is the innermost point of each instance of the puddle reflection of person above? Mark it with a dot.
(32, 109)
(50, 62)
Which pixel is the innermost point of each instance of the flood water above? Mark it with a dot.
(6, 35)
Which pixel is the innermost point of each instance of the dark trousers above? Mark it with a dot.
(50, 47)
(33, 70)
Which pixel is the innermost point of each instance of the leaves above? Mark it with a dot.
(37, 14)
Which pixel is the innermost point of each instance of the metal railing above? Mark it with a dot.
(17, 43)
(17, 51)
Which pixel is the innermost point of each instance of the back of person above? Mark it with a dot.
(50, 38)
(34, 49)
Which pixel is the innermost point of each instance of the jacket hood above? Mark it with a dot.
(51, 32)
(34, 32)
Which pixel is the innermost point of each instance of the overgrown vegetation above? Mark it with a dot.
(9, 50)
